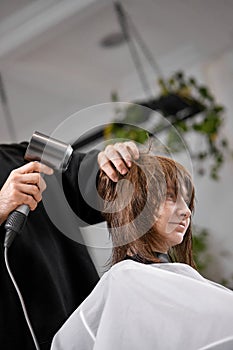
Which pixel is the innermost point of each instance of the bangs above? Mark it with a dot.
(178, 178)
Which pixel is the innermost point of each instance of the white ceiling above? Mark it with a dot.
(51, 58)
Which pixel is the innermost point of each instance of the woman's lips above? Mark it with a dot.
(182, 223)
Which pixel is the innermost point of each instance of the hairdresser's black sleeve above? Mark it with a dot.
(79, 183)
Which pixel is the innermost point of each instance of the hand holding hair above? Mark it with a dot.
(117, 158)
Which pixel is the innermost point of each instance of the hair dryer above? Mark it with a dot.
(49, 151)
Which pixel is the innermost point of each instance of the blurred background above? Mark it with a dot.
(58, 57)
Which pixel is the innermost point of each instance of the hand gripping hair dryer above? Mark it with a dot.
(49, 151)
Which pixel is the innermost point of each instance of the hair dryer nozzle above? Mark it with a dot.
(49, 151)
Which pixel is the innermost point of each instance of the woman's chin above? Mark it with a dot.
(176, 237)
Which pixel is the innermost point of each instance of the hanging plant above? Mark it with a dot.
(207, 123)
(192, 109)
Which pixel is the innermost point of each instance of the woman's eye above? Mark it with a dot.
(171, 196)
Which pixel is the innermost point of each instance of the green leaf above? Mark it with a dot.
(202, 155)
(203, 90)
(179, 75)
(218, 109)
(192, 81)
(174, 142)
(224, 143)
(136, 114)
(182, 126)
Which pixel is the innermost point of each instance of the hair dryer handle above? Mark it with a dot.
(15, 223)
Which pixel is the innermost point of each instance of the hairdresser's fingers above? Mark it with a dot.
(32, 178)
(30, 173)
(32, 190)
(11, 196)
(107, 167)
(42, 184)
(34, 167)
(18, 198)
(29, 200)
(115, 159)
(128, 151)
(19, 190)
(132, 147)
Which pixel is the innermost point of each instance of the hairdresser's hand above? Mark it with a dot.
(23, 186)
(117, 157)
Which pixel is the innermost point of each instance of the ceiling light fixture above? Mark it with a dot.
(113, 40)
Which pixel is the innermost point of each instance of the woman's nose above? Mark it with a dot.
(183, 209)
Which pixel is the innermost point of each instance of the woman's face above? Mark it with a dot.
(173, 218)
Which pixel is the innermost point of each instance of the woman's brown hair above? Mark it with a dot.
(131, 206)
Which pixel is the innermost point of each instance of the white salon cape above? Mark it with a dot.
(167, 306)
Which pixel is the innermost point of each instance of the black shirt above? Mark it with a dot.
(163, 257)
(54, 273)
